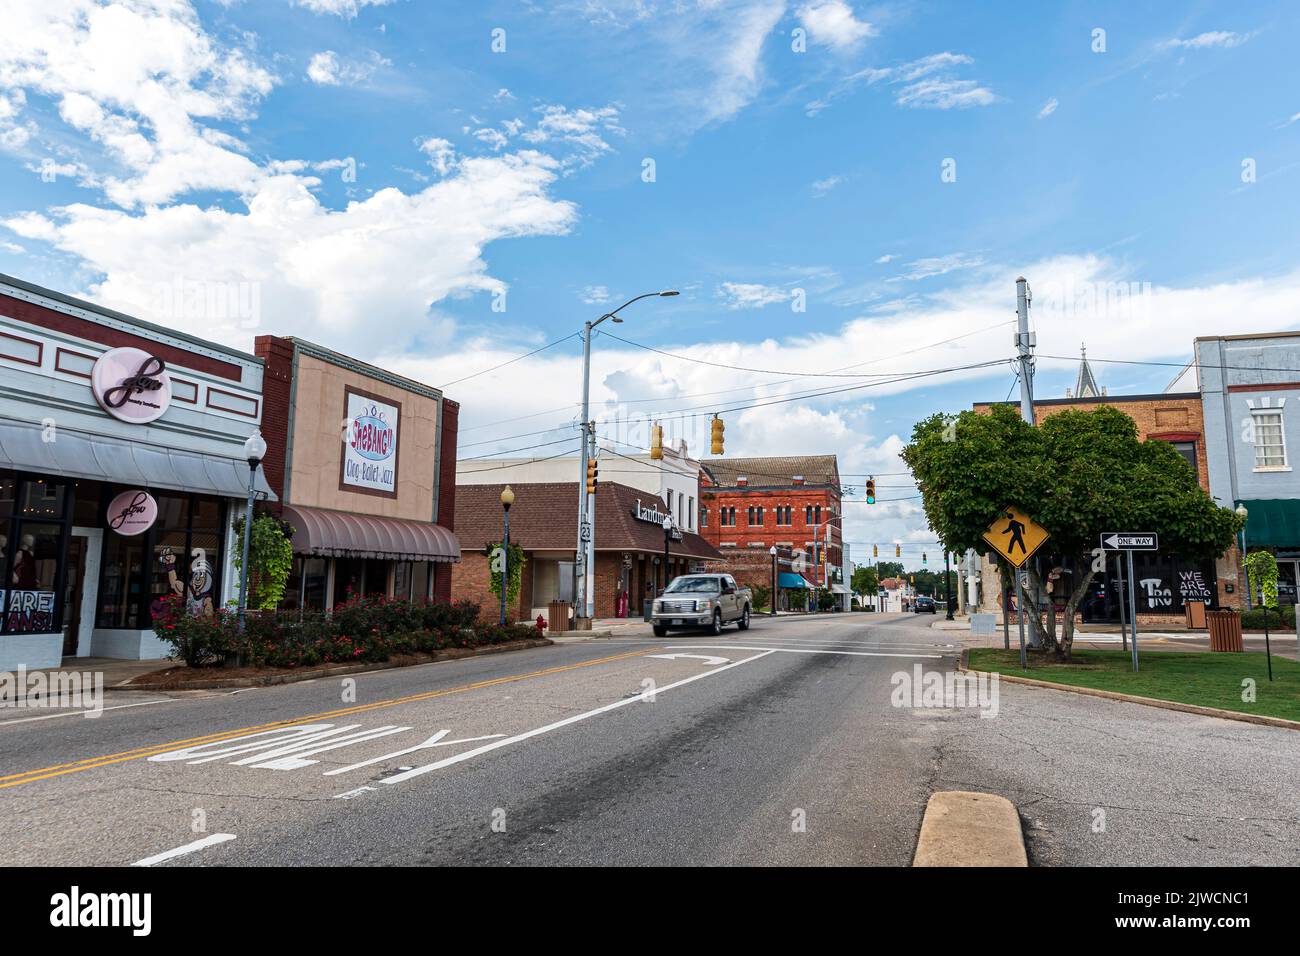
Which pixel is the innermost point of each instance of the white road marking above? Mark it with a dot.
(431, 742)
(711, 661)
(496, 745)
(207, 841)
(352, 793)
(82, 713)
(805, 650)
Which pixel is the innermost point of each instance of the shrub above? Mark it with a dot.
(362, 629)
(1277, 617)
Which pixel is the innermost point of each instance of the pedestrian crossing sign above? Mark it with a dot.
(1015, 535)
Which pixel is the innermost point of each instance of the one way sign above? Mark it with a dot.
(1121, 541)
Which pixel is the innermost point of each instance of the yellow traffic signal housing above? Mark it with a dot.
(657, 441)
(718, 428)
(871, 491)
(593, 472)
(898, 552)
(875, 551)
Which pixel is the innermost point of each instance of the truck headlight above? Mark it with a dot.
(659, 606)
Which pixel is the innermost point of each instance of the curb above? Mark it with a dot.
(1260, 719)
(272, 680)
(964, 828)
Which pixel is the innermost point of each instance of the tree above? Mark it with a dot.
(270, 560)
(865, 580)
(1078, 474)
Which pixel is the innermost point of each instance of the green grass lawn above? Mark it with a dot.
(1210, 680)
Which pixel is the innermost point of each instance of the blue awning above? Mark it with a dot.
(788, 580)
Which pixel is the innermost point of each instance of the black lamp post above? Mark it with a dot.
(668, 532)
(947, 584)
(507, 499)
(772, 552)
(254, 451)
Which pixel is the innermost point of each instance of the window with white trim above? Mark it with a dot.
(1270, 441)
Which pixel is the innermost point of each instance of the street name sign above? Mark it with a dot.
(1015, 536)
(1130, 541)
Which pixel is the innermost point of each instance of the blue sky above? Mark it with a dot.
(379, 178)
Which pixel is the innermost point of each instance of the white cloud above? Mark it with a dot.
(440, 152)
(938, 265)
(750, 295)
(887, 257)
(927, 83)
(327, 69)
(594, 295)
(342, 8)
(1048, 108)
(822, 186)
(1294, 117)
(833, 23)
(1213, 38)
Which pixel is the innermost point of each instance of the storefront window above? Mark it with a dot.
(119, 591)
(552, 581)
(42, 499)
(420, 575)
(32, 539)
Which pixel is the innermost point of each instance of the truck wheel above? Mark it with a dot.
(716, 628)
(743, 623)
(661, 631)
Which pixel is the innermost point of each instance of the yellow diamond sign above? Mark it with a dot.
(1015, 535)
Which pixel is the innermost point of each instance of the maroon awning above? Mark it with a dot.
(339, 534)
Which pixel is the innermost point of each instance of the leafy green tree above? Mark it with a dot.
(1078, 474)
(270, 560)
(865, 580)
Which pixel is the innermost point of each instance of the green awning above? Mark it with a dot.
(1273, 523)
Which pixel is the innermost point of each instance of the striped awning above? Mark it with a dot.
(341, 534)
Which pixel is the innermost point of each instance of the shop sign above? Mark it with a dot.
(370, 444)
(28, 612)
(132, 512)
(131, 385)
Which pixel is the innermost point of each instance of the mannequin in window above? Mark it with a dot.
(24, 574)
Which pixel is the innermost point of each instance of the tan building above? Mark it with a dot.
(364, 464)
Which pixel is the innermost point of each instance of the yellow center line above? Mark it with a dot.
(90, 763)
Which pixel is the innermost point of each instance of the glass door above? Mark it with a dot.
(1286, 580)
(74, 577)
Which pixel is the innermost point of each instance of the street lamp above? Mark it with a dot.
(254, 451)
(668, 532)
(772, 552)
(507, 499)
(585, 531)
(1243, 514)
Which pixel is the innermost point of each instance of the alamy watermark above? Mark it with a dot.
(919, 688)
(52, 690)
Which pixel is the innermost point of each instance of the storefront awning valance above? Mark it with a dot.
(339, 534)
(66, 453)
(839, 589)
(1273, 523)
(789, 580)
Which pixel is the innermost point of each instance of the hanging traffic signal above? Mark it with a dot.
(656, 441)
(593, 472)
(875, 551)
(898, 552)
(871, 491)
(923, 558)
(717, 436)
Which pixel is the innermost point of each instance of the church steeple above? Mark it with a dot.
(1086, 385)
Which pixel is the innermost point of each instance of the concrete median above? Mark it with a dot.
(962, 828)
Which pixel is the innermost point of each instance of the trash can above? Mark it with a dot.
(1225, 631)
(1195, 614)
(647, 609)
(558, 613)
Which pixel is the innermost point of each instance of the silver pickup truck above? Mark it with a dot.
(702, 600)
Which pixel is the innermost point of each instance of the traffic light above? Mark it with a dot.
(656, 441)
(718, 428)
(871, 491)
(923, 557)
(875, 551)
(898, 552)
(593, 472)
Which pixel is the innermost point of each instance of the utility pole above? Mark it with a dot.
(1025, 341)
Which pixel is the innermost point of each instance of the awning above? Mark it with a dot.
(76, 454)
(840, 589)
(789, 580)
(340, 534)
(1273, 522)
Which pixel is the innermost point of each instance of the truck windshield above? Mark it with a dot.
(680, 585)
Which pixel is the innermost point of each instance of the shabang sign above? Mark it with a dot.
(370, 444)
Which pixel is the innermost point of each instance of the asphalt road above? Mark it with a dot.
(780, 745)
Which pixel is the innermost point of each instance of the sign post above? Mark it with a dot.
(1130, 542)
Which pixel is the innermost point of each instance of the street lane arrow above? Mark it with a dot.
(711, 661)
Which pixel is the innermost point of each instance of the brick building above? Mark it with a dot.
(750, 505)
(629, 541)
(1165, 582)
(372, 504)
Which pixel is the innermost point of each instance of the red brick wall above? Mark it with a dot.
(742, 534)
(277, 387)
(443, 577)
(470, 581)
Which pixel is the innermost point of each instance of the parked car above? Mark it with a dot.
(701, 600)
(924, 605)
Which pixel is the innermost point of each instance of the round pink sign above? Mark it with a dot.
(131, 385)
(132, 512)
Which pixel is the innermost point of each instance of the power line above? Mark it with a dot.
(507, 451)
(511, 464)
(517, 358)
